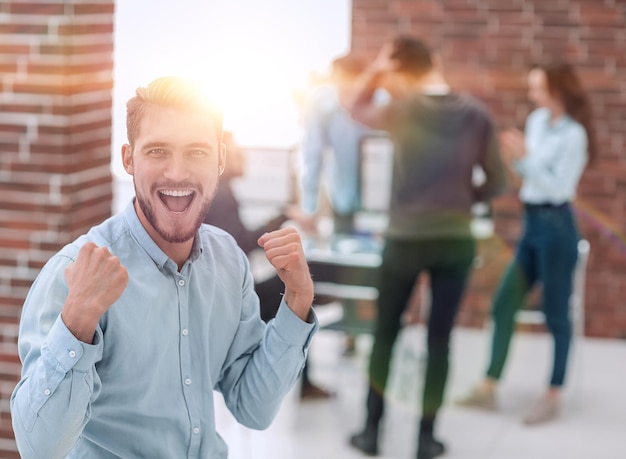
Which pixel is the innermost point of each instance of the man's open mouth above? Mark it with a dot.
(176, 200)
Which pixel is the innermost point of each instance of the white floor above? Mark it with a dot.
(592, 426)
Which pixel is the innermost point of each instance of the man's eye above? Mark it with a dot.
(198, 153)
(156, 152)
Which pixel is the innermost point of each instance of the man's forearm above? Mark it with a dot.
(366, 86)
(361, 107)
(255, 387)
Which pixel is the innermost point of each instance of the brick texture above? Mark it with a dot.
(486, 47)
(55, 132)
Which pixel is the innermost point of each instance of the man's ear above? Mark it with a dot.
(127, 158)
(221, 162)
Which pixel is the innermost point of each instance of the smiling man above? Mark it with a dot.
(127, 331)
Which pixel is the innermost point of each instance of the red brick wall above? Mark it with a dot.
(55, 134)
(486, 46)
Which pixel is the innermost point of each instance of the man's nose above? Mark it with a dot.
(177, 168)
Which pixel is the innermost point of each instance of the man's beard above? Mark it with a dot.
(176, 236)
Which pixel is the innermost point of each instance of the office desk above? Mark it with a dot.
(345, 268)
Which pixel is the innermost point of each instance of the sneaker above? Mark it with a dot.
(543, 410)
(484, 400)
(366, 442)
(428, 447)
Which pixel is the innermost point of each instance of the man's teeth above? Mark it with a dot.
(176, 193)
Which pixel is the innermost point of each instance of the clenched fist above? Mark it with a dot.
(283, 249)
(95, 281)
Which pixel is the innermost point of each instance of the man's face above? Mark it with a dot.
(175, 163)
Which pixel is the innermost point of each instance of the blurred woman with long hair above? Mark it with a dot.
(549, 158)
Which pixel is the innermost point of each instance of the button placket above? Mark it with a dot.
(189, 393)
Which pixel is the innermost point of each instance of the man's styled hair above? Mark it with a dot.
(169, 92)
(412, 56)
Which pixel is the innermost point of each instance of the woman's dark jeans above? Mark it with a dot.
(547, 254)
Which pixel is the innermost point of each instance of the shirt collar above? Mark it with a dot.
(560, 122)
(197, 248)
(142, 237)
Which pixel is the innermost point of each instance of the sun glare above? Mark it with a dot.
(254, 91)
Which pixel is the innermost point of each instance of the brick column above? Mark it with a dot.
(486, 46)
(55, 149)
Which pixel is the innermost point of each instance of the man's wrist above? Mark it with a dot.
(82, 329)
(299, 303)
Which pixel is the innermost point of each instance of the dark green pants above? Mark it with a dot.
(447, 262)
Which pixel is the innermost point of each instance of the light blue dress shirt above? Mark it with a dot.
(556, 155)
(144, 388)
(328, 127)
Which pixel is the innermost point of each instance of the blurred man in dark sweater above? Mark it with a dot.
(439, 137)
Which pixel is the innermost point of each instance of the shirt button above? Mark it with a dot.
(47, 392)
(196, 430)
(181, 282)
(72, 354)
(187, 381)
(185, 332)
